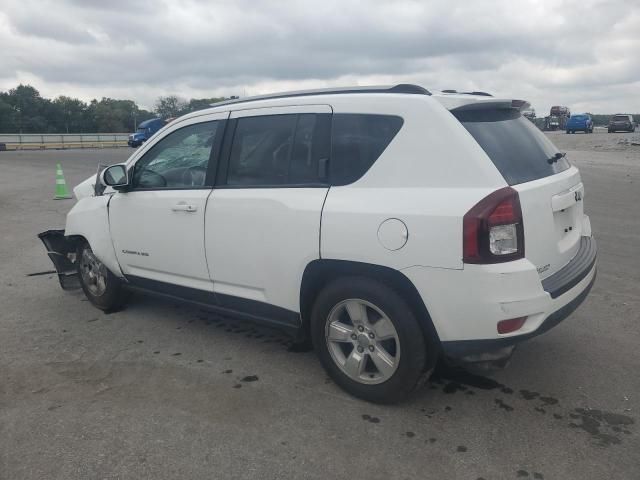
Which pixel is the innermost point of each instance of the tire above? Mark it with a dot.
(411, 355)
(102, 288)
(568, 132)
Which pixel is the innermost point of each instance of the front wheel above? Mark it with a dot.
(102, 288)
(369, 340)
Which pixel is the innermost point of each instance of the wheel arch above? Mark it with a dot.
(89, 220)
(319, 273)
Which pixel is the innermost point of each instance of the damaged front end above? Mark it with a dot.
(62, 252)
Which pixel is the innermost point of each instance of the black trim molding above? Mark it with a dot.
(572, 273)
(228, 305)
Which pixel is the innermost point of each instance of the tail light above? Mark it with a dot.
(493, 230)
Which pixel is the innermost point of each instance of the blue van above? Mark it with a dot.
(144, 131)
(581, 122)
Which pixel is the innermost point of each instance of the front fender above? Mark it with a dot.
(89, 218)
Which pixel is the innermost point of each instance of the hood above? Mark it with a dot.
(86, 188)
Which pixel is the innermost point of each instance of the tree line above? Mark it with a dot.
(24, 110)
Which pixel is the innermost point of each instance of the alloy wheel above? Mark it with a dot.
(93, 272)
(362, 341)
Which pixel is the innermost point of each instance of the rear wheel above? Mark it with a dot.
(103, 289)
(369, 340)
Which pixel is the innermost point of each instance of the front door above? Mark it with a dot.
(157, 226)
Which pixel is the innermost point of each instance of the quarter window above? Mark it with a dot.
(179, 160)
(357, 140)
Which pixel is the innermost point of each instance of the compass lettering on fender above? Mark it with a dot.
(132, 252)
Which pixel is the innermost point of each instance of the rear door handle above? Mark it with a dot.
(183, 207)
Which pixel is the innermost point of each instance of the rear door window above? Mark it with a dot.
(279, 150)
(357, 140)
(518, 149)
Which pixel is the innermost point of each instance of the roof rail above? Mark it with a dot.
(481, 94)
(400, 88)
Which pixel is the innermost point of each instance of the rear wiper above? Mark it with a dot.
(556, 157)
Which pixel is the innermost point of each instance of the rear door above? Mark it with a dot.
(262, 224)
(550, 188)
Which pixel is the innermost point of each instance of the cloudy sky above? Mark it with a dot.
(585, 53)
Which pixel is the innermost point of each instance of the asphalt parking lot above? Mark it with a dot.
(166, 390)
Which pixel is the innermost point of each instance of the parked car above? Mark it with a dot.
(621, 122)
(580, 123)
(388, 225)
(145, 130)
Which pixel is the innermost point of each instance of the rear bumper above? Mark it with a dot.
(466, 348)
(466, 305)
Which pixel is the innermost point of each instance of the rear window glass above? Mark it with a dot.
(516, 147)
(580, 117)
(621, 118)
(357, 140)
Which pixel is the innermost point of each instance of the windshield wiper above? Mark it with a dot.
(556, 157)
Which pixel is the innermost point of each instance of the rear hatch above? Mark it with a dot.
(577, 121)
(549, 188)
(620, 121)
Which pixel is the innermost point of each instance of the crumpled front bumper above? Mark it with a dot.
(62, 252)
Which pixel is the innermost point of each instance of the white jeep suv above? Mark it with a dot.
(388, 225)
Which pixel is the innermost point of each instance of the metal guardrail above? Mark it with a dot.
(34, 141)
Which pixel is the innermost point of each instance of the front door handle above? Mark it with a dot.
(184, 207)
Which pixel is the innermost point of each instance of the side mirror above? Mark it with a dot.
(115, 176)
